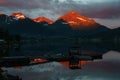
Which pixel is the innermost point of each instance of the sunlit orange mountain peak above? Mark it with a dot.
(78, 21)
(43, 19)
(18, 15)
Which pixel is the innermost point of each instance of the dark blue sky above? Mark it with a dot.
(106, 12)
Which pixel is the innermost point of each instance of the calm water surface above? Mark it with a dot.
(106, 69)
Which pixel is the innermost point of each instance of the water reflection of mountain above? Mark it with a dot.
(72, 53)
(62, 49)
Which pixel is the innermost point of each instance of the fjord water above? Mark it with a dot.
(106, 68)
(60, 46)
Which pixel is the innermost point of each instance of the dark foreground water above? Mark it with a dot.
(106, 69)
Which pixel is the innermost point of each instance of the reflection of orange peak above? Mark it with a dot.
(78, 21)
(18, 15)
(43, 19)
(81, 63)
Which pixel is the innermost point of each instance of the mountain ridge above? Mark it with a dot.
(18, 15)
(24, 25)
(75, 20)
(42, 19)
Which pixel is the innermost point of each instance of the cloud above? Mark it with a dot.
(103, 9)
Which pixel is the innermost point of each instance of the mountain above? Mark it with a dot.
(116, 32)
(24, 27)
(19, 24)
(18, 15)
(77, 21)
(61, 27)
(3, 18)
(43, 19)
(70, 24)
